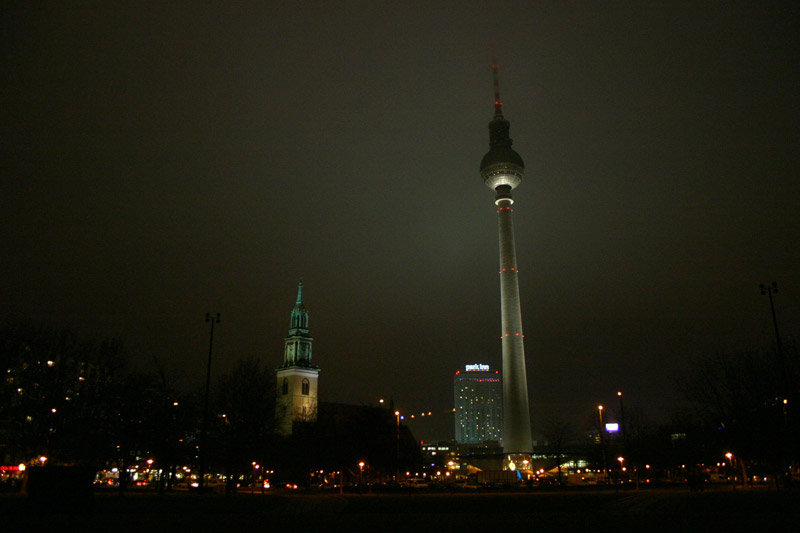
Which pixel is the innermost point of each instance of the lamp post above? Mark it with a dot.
(602, 442)
(256, 466)
(204, 436)
(397, 451)
(360, 477)
(769, 290)
(729, 455)
(622, 419)
(625, 444)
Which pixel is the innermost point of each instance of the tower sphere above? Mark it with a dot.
(501, 165)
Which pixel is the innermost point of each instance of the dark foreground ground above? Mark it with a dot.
(676, 510)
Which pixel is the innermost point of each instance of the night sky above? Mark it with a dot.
(161, 160)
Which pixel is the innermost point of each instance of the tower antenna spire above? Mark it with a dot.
(498, 104)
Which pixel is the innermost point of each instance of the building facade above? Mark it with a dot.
(297, 377)
(478, 400)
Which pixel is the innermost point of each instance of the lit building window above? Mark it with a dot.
(305, 387)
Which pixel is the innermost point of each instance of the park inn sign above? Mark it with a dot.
(477, 368)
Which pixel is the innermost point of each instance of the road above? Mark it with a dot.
(647, 510)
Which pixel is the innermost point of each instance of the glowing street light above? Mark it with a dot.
(602, 441)
(256, 466)
(729, 455)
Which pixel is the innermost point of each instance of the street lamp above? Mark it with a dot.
(256, 466)
(729, 469)
(397, 451)
(621, 415)
(769, 290)
(625, 445)
(621, 467)
(602, 442)
(360, 476)
(204, 437)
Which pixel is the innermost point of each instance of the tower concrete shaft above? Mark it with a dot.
(516, 411)
(502, 169)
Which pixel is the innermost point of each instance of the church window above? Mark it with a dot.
(285, 386)
(305, 387)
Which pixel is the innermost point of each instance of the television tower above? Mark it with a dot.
(502, 169)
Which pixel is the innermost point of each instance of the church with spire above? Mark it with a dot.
(297, 378)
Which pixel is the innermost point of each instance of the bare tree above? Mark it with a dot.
(741, 396)
(561, 436)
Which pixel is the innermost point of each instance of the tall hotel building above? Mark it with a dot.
(478, 398)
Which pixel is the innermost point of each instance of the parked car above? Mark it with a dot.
(416, 483)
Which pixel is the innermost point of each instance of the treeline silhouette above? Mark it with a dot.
(79, 401)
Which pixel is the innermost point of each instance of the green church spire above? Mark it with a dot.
(298, 343)
(299, 319)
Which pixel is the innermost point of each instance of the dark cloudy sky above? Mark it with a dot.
(164, 159)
